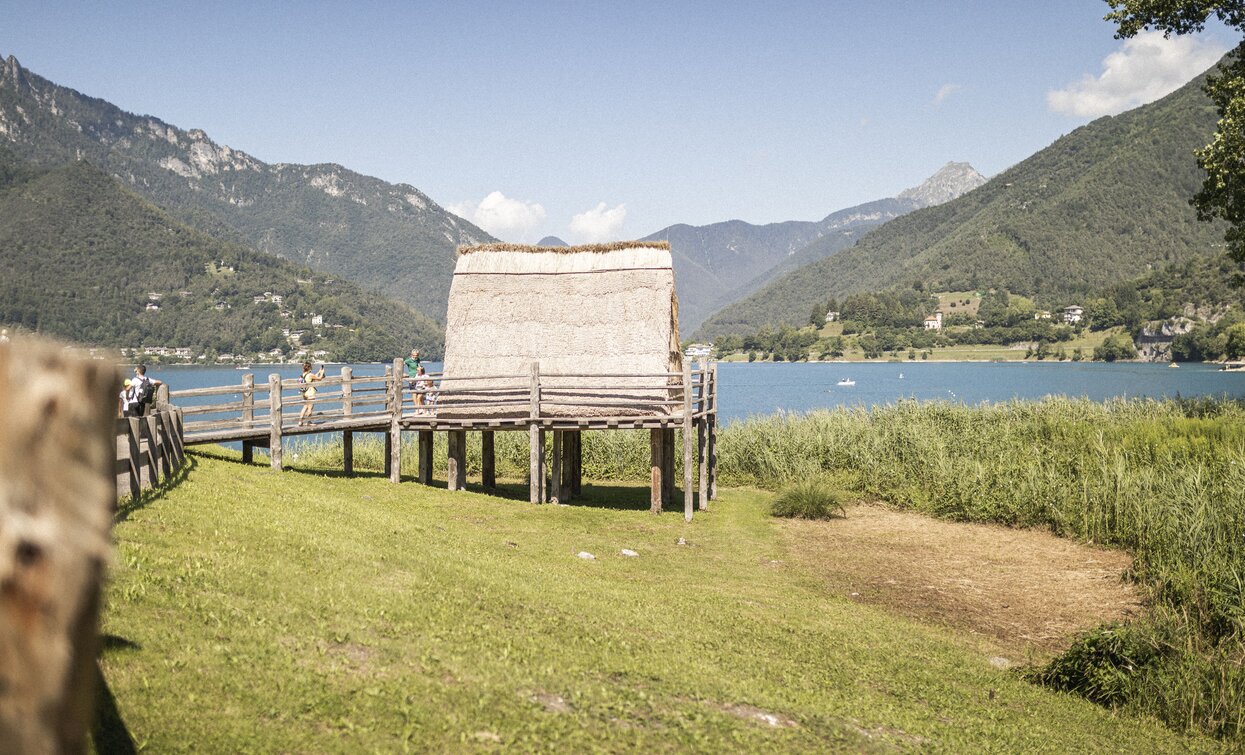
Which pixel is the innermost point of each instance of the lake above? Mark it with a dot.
(764, 388)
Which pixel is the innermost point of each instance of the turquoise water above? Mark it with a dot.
(747, 389)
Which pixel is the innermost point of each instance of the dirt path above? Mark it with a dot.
(1026, 590)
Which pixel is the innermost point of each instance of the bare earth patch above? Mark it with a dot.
(1026, 589)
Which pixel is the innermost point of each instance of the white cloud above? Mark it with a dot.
(945, 91)
(599, 224)
(1146, 68)
(507, 219)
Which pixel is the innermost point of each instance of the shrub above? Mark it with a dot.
(810, 498)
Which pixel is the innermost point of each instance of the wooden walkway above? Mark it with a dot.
(563, 404)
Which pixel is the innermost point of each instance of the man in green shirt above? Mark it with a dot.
(412, 368)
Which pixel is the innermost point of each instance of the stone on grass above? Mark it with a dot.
(629, 552)
(585, 555)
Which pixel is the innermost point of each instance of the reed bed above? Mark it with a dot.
(1164, 480)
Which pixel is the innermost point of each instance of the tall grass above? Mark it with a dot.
(1163, 479)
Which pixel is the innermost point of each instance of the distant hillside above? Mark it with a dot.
(721, 262)
(392, 237)
(86, 259)
(551, 241)
(1105, 203)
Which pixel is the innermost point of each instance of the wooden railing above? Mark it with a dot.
(561, 403)
(150, 450)
(508, 402)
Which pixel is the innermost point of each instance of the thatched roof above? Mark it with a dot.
(605, 308)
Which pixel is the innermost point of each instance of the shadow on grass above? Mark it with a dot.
(127, 506)
(109, 734)
(614, 495)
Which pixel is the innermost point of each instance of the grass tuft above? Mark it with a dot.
(811, 498)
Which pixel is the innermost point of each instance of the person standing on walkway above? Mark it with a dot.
(307, 380)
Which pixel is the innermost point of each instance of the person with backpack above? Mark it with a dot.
(307, 388)
(144, 389)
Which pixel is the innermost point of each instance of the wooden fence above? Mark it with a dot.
(150, 450)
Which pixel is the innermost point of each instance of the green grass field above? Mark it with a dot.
(257, 611)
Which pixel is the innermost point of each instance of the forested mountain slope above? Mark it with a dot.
(86, 259)
(1105, 203)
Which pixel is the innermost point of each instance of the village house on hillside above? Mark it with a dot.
(1073, 314)
(934, 321)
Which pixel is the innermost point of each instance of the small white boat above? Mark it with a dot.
(901, 376)
(846, 381)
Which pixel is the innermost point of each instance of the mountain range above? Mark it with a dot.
(87, 259)
(391, 237)
(1103, 204)
(719, 263)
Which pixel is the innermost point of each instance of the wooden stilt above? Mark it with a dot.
(425, 457)
(577, 464)
(488, 468)
(555, 469)
(388, 453)
(348, 452)
(667, 465)
(656, 462)
(456, 476)
(568, 465)
(248, 452)
(536, 441)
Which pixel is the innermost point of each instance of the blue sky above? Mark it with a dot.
(612, 120)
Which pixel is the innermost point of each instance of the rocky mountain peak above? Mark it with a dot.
(949, 182)
(12, 72)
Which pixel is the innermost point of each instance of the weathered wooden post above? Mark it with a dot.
(689, 467)
(555, 469)
(702, 432)
(274, 421)
(536, 480)
(667, 464)
(347, 410)
(136, 469)
(385, 434)
(395, 423)
(712, 440)
(657, 458)
(577, 461)
(488, 460)
(425, 457)
(57, 494)
(148, 427)
(248, 415)
(565, 480)
(456, 474)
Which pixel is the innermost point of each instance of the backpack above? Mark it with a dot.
(146, 392)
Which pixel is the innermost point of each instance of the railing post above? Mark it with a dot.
(136, 470)
(702, 433)
(689, 466)
(248, 415)
(395, 423)
(274, 420)
(347, 410)
(712, 450)
(386, 435)
(536, 480)
(162, 396)
(148, 425)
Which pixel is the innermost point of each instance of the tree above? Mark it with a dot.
(1115, 347)
(818, 317)
(1223, 192)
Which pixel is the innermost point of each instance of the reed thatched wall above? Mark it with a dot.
(590, 309)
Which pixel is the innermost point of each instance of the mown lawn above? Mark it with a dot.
(256, 611)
